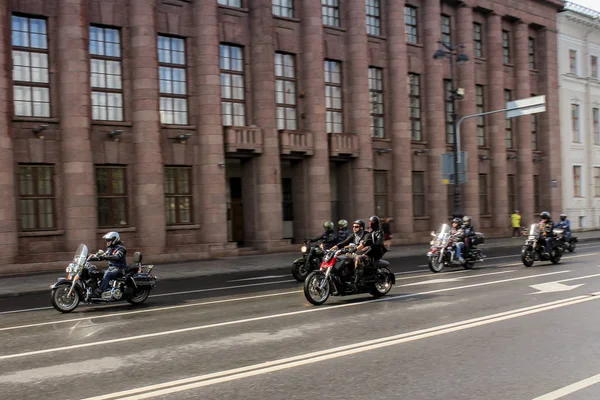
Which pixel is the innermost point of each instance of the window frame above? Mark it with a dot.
(534, 135)
(278, 9)
(416, 134)
(537, 205)
(594, 67)
(36, 197)
(111, 196)
(373, 15)
(285, 81)
(506, 56)
(105, 90)
(330, 12)
(480, 107)
(177, 195)
(380, 194)
(446, 29)
(449, 111)
(573, 61)
(228, 3)
(171, 97)
(411, 30)
(331, 86)
(596, 181)
(577, 181)
(511, 185)
(596, 125)
(531, 50)
(484, 195)
(508, 126)
(376, 90)
(575, 123)
(232, 73)
(418, 197)
(478, 40)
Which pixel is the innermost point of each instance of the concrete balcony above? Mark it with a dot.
(296, 143)
(243, 139)
(343, 145)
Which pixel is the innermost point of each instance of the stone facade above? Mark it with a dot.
(578, 43)
(255, 183)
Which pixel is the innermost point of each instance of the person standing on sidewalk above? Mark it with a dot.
(516, 223)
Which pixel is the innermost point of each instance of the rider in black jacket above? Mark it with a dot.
(372, 246)
(116, 256)
(329, 238)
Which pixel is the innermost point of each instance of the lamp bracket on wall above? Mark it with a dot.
(36, 131)
(182, 138)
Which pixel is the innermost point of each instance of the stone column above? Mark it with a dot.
(399, 120)
(435, 121)
(79, 195)
(467, 106)
(148, 169)
(550, 128)
(210, 153)
(523, 124)
(316, 194)
(8, 210)
(356, 87)
(497, 123)
(268, 209)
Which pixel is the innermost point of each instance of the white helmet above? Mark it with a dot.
(112, 238)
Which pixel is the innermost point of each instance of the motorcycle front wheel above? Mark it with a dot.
(139, 297)
(316, 288)
(299, 271)
(434, 264)
(527, 258)
(61, 300)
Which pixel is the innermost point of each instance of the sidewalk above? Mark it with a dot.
(15, 285)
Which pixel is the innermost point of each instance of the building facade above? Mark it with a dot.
(579, 52)
(198, 127)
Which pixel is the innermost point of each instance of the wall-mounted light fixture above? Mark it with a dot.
(221, 165)
(538, 159)
(483, 158)
(181, 138)
(36, 131)
(114, 134)
(512, 156)
(383, 151)
(420, 151)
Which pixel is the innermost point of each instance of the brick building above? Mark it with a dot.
(192, 126)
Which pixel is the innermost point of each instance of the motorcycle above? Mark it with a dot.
(132, 285)
(561, 237)
(312, 255)
(533, 249)
(336, 277)
(443, 251)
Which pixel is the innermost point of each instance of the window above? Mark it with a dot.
(575, 123)
(171, 72)
(531, 53)
(36, 197)
(285, 91)
(105, 59)
(596, 181)
(31, 86)
(506, 47)
(537, 205)
(333, 96)
(480, 104)
(508, 122)
(450, 199)
(477, 40)
(534, 138)
(446, 30)
(449, 111)
(376, 93)
(572, 62)
(283, 8)
(287, 202)
(484, 207)
(512, 198)
(596, 125)
(231, 3)
(418, 193)
(577, 181)
(373, 17)
(330, 12)
(414, 91)
(178, 195)
(233, 106)
(111, 186)
(410, 24)
(594, 67)
(380, 188)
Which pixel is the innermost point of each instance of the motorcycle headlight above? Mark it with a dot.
(431, 242)
(303, 249)
(71, 267)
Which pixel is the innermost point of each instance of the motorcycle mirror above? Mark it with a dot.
(432, 233)
(100, 252)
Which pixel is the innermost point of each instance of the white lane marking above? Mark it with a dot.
(262, 318)
(562, 392)
(259, 277)
(25, 310)
(460, 278)
(221, 288)
(332, 353)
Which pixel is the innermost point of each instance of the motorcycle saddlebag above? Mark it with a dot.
(144, 280)
(479, 238)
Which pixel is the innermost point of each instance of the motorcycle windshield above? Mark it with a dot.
(534, 230)
(443, 234)
(80, 255)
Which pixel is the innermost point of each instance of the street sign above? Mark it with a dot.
(529, 105)
(448, 168)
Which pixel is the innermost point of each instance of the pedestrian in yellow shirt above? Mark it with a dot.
(516, 223)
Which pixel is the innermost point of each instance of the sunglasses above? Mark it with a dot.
(356, 226)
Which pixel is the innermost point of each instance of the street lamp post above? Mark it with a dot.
(454, 54)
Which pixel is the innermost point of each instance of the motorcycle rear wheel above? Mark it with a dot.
(383, 285)
(312, 292)
(434, 264)
(61, 301)
(554, 258)
(300, 272)
(139, 297)
(571, 246)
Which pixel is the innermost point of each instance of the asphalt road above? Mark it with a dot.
(501, 331)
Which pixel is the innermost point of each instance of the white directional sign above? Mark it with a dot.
(530, 105)
(553, 287)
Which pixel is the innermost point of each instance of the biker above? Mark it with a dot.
(343, 231)
(116, 256)
(373, 249)
(565, 224)
(458, 234)
(469, 231)
(546, 225)
(329, 238)
(358, 228)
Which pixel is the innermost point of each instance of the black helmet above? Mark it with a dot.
(457, 220)
(328, 225)
(374, 222)
(360, 223)
(545, 215)
(342, 223)
(563, 217)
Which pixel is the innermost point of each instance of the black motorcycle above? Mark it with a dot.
(312, 255)
(336, 277)
(442, 252)
(567, 245)
(533, 249)
(132, 285)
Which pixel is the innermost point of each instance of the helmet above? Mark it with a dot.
(342, 223)
(563, 217)
(457, 221)
(360, 223)
(112, 238)
(545, 215)
(374, 221)
(328, 225)
(467, 219)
